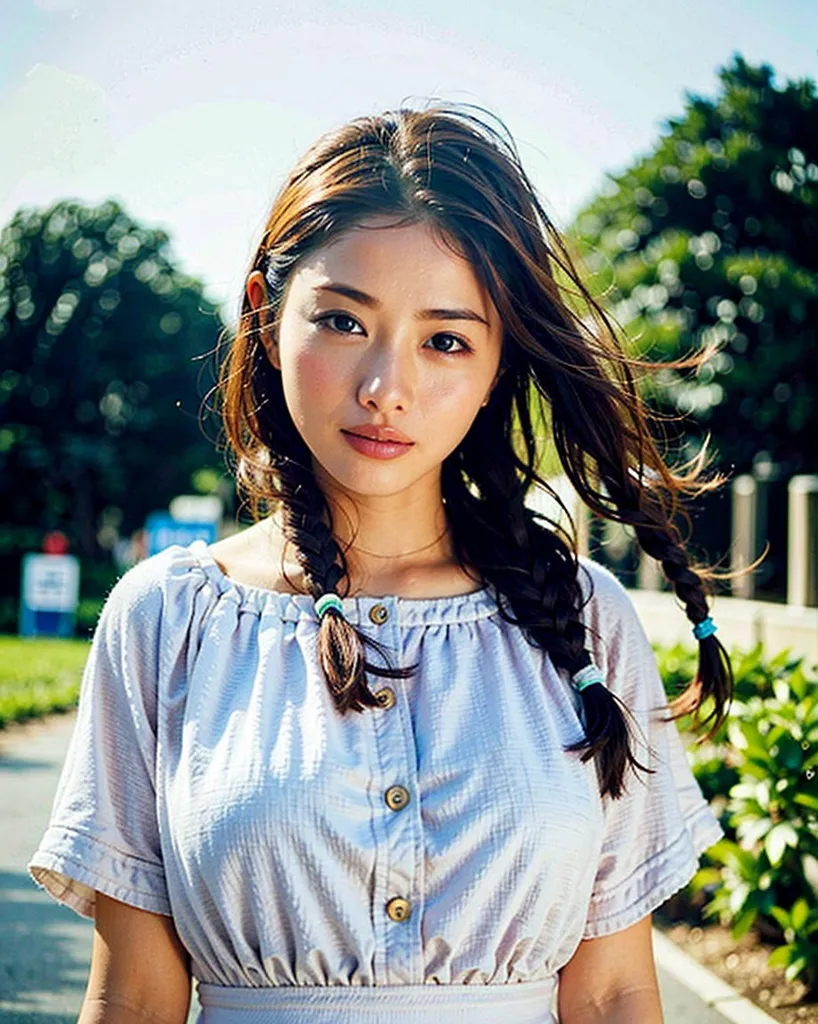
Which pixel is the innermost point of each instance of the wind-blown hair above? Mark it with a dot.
(451, 170)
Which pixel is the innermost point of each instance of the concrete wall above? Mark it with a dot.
(741, 623)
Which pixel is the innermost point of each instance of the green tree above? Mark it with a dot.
(713, 238)
(100, 387)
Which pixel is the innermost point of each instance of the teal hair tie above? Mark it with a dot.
(707, 627)
(326, 601)
(587, 677)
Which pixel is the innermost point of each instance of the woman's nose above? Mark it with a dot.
(387, 381)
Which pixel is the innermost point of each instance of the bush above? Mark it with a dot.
(88, 615)
(39, 675)
(764, 758)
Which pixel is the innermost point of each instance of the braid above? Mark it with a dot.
(537, 573)
(340, 644)
(659, 537)
(316, 549)
(609, 425)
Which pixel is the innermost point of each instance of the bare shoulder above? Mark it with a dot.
(257, 556)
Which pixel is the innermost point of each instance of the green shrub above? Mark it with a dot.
(39, 675)
(88, 615)
(799, 954)
(763, 763)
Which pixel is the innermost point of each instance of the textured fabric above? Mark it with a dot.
(402, 1004)
(210, 778)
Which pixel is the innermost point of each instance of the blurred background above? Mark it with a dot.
(675, 145)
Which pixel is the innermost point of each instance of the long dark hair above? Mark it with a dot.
(449, 168)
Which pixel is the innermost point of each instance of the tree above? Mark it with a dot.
(99, 397)
(713, 237)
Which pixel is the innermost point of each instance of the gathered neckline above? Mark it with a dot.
(475, 604)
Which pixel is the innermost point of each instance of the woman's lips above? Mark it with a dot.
(376, 449)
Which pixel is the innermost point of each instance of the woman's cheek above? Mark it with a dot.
(315, 367)
(315, 380)
(453, 400)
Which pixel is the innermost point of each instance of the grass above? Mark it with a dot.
(39, 675)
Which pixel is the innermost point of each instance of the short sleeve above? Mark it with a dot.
(655, 833)
(102, 834)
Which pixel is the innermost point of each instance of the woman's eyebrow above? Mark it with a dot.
(422, 314)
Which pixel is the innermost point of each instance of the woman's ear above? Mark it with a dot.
(257, 296)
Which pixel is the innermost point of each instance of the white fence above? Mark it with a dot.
(742, 621)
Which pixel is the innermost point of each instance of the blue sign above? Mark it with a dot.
(50, 586)
(162, 530)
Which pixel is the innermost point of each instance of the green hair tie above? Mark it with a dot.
(327, 601)
(587, 677)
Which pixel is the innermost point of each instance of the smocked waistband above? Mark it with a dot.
(520, 1002)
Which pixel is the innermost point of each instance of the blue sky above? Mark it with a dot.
(192, 112)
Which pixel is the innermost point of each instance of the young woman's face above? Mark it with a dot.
(385, 328)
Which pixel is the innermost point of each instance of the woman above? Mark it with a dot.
(373, 758)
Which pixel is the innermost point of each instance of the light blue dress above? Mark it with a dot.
(436, 858)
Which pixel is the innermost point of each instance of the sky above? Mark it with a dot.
(192, 113)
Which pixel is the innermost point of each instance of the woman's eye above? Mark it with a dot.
(337, 316)
(340, 323)
(464, 347)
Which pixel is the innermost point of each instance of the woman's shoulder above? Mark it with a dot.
(602, 590)
(615, 631)
(149, 616)
(145, 588)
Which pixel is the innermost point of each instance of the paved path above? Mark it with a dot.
(45, 949)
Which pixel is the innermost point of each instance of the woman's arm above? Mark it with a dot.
(612, 980)
(140, 971)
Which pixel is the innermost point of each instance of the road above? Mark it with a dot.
(45, 949)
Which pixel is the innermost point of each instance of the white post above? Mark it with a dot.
(582, 519)
(650, 575)
(802, 548)
(744, 533)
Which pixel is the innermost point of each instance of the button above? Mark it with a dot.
(398, 908)
(397, 797)
(385, 697)
(379, 614)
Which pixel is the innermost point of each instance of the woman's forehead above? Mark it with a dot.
(393, 263)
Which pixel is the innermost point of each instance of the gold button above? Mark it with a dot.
(385, 697)
(398, 908)
(397, 797)
(379, 614)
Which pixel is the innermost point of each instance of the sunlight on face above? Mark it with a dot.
(417, 348)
